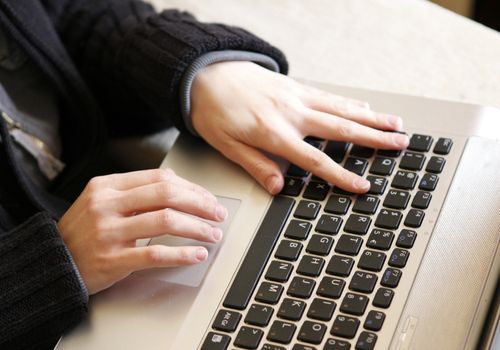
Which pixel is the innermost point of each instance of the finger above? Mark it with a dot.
(166, 221)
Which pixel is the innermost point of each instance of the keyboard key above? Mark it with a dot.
(345, 326)
(389, 219)
(216, 341)
(443, 146)
(331, 287)
(363, 282)
(336, 150)
(389, 153)
(303, 347)
(354, 304)
(310, 265)
(428, 182)
(269, 293)
(422, 200)
(414, 218)
(399, 257)
(356, 165)
(320, 245)
(406, 239)
(281, 332)
(382, 166)
(336, 344)
(328, 224)
(383, 298)
(292, 186)
(366, 204)
(248, 337)
(268, 346)
(321, 309)
(316, 190)
(412, 161)
(340, 265)
(348, 245)
(420, 143)
(226, 320)
(372, 260)
(374, 320)
(279, 271)
(366, 341)
(313, 141)
(288, 250)
(337, 204)
(307, 210)
(380, 239)
(435, 165)
(358, 224)
(404, 180)
(391, 278)
(298, 229)
(361, 151)
(294, 170)
(312, 332)
(341, 191)
(291, 309)
(377, 184)
(301, 287)
(397, 199)
(259, 315)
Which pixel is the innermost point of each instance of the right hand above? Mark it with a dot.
(101, 227)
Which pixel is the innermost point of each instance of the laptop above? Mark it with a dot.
(413, 264)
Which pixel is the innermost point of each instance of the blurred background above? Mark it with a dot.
(486, 12)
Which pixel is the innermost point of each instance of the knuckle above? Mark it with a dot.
(183, 256)
(155, 255)
(345, 130)
(315, 159)
(165, 190)
(165, 218)
(95, 183)
(164, 174)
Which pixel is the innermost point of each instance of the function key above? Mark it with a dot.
(443, 146)
(397, 199)
(348, 245)
(360, 151)
(383, 298)
(345, 326)
(288, 250)
(310, 265)
(298, 229)
(382, 166)
(391, 278)
(336, 150)
(428, 182)
(216, 341)
(269, 293)
(421, 200)
(307, 210)
(356, 165)
(292, 186)
(389, 153)
(320, 245)
(358, 224)
(354, 304)
(340, 265)
(372, 260)
(281, 332)
(301, 287)
(374, 320)
(248, 337)
(366, 204)
(328, 224)
(412, 161)
(406, 239)
(366, 341)
(420, 143)
(291, 309)
(377, 184)
(331, 287)
(337, 204)
(312, 332)
(414, 218)
(316, 190)
(259, 315)
(404, 180)
(399, 258)
(226, 320)
(435, 165)
(389, 219)
(380, 239)
(279, 271)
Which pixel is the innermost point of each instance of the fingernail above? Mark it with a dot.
(362, 184)
(201, 254)
(273, 184)
(395, 121)
(220, 212)
(401, 140)
(216, 233)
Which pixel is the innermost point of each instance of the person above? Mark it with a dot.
(74, 72)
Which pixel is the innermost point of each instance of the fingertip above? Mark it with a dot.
(201, 254)
(274, 184)
(401, 140)
(394, 121)
(361, 185)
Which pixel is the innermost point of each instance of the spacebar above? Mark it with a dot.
(257, 255)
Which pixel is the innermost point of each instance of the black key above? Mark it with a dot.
(268, 346)
(316, 190)
(292, 186)
(382, 166)
(307, 210)
(259, 315)
(313, 141)
(428, 182)
(294, 170)
(406, 239)
(288, 250)
(380, 239)
(336, 344)
(303, 347)
(269, 293)
(298, 229)
(391, 277)
(397, 199)
(389, 219)
(320, 245)
(412, 161)
(226, 320)
(363, 282)
(414, 218)
(404, 180)
(366, 204)
(435, 165)
(329, 224)
(443, 146)
(422, 200)
(248, 337)
(399, 257)
(331, 287)
(348, 244)
(372, 260)
(361, 151)
(256, 258)
(341, 191)
(279, 271)
(291, 309)
(345, 326)
(321, 309)
(312, 332)
(420, 143)
(340, 265)
(356, 165)
(383, 298)
(310, 265)
(377, 184)
(336, 150)
(281, 332)
(374, 320)
(366, 341)
(216, 341)
(337, 204)
(301, 287)
(358, 224)
(354, 304)
(389, 153)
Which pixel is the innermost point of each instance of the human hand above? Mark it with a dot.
(101, 228)
(242, 109)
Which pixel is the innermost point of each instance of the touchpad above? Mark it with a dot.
(193, 275)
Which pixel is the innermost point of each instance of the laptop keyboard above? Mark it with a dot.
(325, 264)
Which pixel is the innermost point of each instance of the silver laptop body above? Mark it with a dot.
(447, 287)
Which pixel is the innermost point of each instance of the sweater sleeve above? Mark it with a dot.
(134, 59)
(41, 292)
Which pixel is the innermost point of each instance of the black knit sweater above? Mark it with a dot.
(117, 66)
